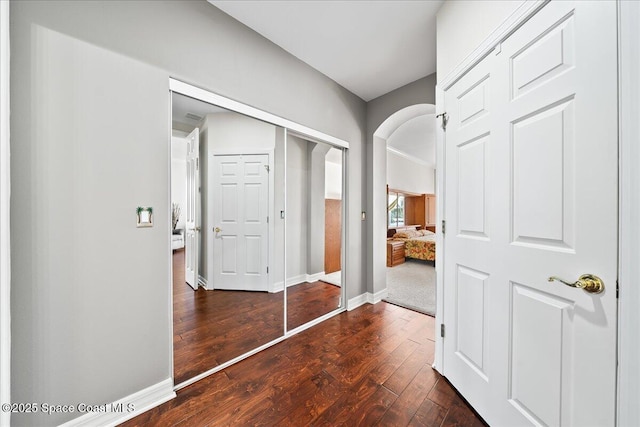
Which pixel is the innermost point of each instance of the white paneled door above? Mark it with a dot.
(192, 217)
(240, 222)
(531, 192)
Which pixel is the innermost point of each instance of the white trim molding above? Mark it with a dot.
(378, 296)
(440, 197)
(629, 205)
(124, 409)
(229, 104)
(297, 280)
(357, 301)
(5, 191)
(367, 298)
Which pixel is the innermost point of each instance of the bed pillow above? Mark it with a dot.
(406, 234)
(426, 232)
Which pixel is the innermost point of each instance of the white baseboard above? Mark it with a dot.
(356, 302)
(377, 297)
(128, 407)
(278, 286)
(296, 280)
(366, 298)
(314, 277)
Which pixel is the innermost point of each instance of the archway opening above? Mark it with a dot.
(403, 185)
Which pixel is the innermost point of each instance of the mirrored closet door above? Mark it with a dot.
(258, 230)
(227, 191)
(314, 229)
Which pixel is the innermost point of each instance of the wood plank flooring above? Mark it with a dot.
(308, 301)
(370, 366)
(213, 327)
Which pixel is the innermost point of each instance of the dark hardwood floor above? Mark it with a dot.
(370, 366)
(213, 327)
(308, 301)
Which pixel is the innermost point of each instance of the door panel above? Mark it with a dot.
(192, 219)
(240, 224)
(531, 180)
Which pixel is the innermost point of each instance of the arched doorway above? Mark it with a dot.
(396, 124)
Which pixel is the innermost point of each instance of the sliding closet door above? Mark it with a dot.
(314, 224)
(239, 302)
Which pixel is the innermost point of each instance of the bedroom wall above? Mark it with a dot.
(378, 110)
(477, 18)
(179, 176)
(90, 130)
(407, 175)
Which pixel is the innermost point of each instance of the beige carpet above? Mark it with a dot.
(413, 285)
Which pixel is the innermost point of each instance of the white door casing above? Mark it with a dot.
(192, 218)
(531, 181)
(240, 222)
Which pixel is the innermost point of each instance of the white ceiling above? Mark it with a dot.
(369, 47)
(416, 139)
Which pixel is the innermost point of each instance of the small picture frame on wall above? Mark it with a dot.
(144, 216)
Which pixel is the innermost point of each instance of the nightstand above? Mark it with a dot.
(395, 252)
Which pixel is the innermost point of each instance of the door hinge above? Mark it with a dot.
(617, 290)
(445, 120)
(267, 168)
(267, 270)
(267, 220)
(442, 330)
(444, 223)
(197, 163)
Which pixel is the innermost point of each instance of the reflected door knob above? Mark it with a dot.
(589, 282)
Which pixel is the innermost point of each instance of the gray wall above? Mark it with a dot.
(90, 142)
(422, 91)
(297, 210)
(378, 110)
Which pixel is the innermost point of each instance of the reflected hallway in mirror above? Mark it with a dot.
(226, 298)
(314, 189)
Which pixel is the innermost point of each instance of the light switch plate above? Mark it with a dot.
(144, 216)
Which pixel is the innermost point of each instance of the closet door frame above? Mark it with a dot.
(290, 127)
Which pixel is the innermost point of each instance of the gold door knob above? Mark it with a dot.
(588, 282)
(217, 229)
(197, 228)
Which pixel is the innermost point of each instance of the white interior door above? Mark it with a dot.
(192, 218)
(240, 222)
(531, 186)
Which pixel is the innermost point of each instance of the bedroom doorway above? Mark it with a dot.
(408, 138)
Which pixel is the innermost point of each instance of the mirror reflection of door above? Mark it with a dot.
(314, 230)
(240, 184)
(240, 221)
(192, 208)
